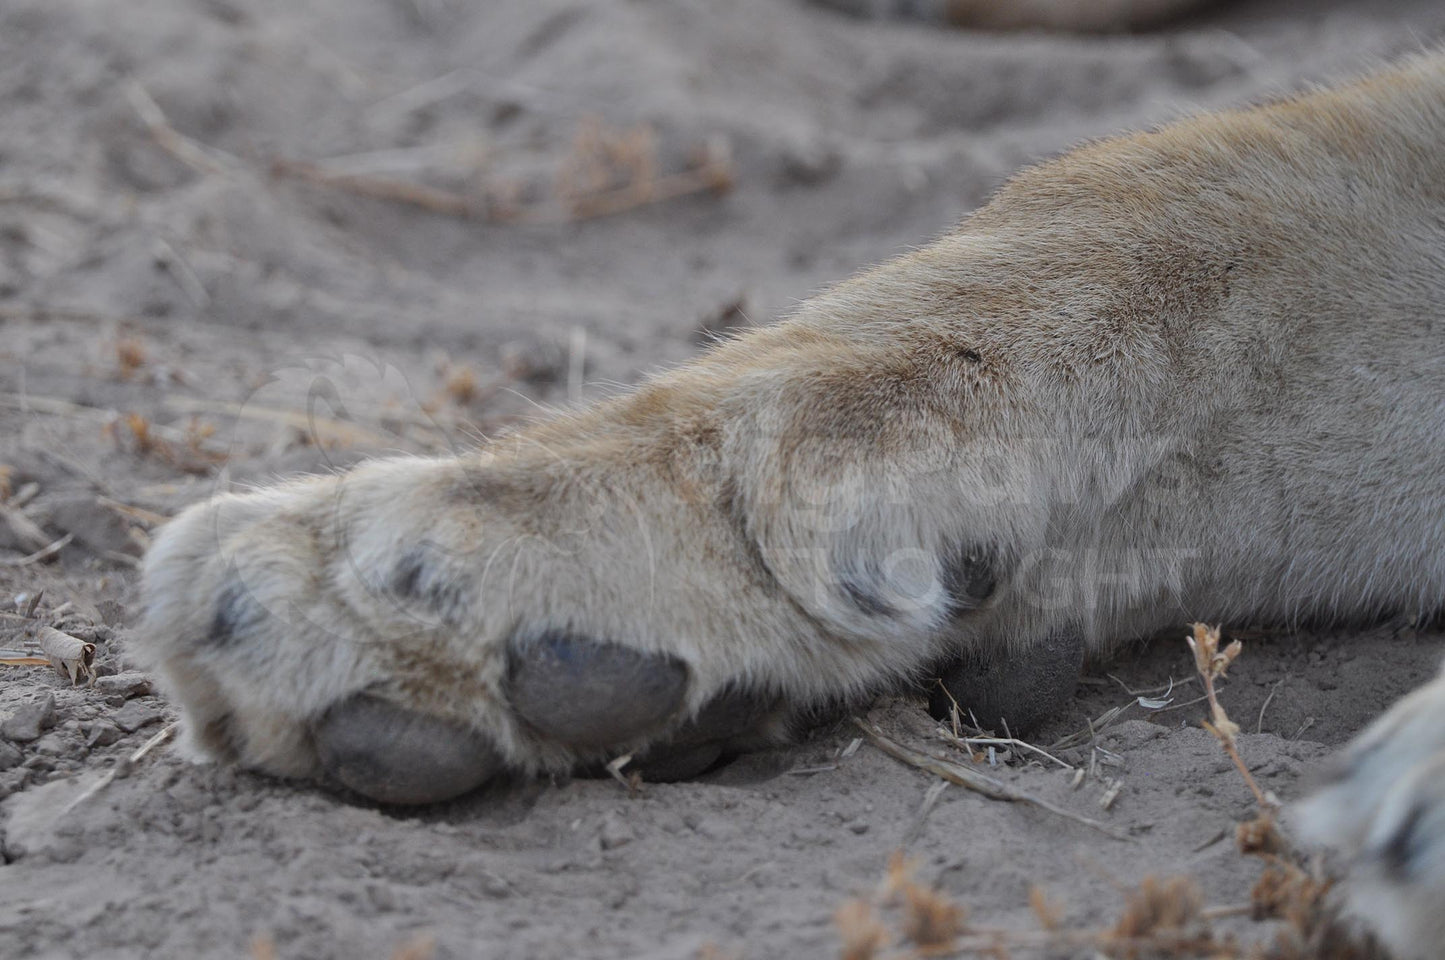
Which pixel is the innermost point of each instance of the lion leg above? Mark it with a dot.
(1132, 391)
(669, 576)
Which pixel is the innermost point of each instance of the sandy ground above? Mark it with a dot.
(172, 284)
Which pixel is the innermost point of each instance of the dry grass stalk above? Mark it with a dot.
(618, 171)
(863, 934)
(192, 454)
(1290, 889)
(40, 555)
(978, 782)
(605, 173)
(190, 152)
(22, 528)
(1173, 904)
(1049, 914)
(130, 357)
(632, 781)
(121, 768)
(930, 919)
(140, 515)
(17, 658)
(107, 418)
(967, 743)
(1212, 662)
(324, 431)
(1163, 917)
(21, 497)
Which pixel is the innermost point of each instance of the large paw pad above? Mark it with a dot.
(395, 755)
(591, 696)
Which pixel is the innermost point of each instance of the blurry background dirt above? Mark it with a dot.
(456, 215)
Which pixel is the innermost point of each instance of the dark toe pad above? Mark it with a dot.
(395, 755)
(1019, 692)
(591, 696)
(728, 723)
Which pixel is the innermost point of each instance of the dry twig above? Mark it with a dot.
(190, 152)
(585, 186)
(978, 782)
(22, 528)
(120, 769)
(40, 555)
(1212, 662)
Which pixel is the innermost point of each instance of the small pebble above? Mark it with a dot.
(125, 684)
(28, 720)
(102, 734)
(10, 755)
(58, 745)
(859, 827)
(494, 886)
(135, 715)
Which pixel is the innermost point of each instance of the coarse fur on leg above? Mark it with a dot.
(1194, 373)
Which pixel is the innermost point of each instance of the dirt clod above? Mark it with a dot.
(27, 721)
(127, 685)
(136, 714)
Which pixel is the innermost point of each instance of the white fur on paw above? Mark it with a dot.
(1385, 813)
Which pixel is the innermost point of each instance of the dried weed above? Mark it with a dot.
(863, 934)
(130, 357)
(192, 452)
(1164, 917)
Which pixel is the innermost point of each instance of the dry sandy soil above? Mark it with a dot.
(175, 278)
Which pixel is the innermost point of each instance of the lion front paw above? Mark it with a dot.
(1384, 810)
(415, 628)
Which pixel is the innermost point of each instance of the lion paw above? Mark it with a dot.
(1384, 811)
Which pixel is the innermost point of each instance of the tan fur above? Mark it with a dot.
(1193, 373)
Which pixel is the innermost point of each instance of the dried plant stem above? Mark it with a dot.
(59, 407)
(1211, 663)
(432, 199)
(979, 782)
(39, 555)
(969, 742)
(183, 148)
(119, 768)
(311, 424)
(996, 943)
(714, 174)
(1230, 748)
(22, 527)
(132, 512)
